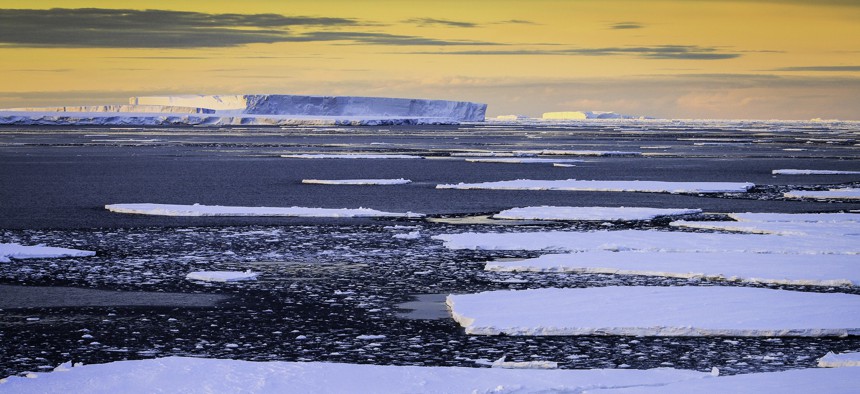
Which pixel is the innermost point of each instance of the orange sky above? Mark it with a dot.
(678, 59)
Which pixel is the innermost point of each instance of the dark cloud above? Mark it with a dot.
(626, 25)
(379, 39)
(517, 22)
(679, 52)
(821, 68)
(438, 22)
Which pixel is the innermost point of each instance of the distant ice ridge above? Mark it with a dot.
(218, 210)
(17, 251)
(255, 109)
(657, 311)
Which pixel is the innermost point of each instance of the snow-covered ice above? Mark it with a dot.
(652, 241)
(410, 235)
(832, 194)
(838, 217)
(198, 375)
(502, 363)
(10, 251)
(810, 380)
(607, 186)
(566, 152)
(780, 228)
(522, 160)
(221, 276)
(590, 213)
(218, 210)
(399, 181)
(790, 269)
(657, 311)
(837, 360)
(349, 156)
(787, 171)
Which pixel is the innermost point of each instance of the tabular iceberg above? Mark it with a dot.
(253, 109)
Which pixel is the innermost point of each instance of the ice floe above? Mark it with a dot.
(399, 181)
(810, 380)
(652, 241)
(193, 375)
(219, 210)
(780, 228)
(349, 156)
(832, 194)
(838, 217)
(606, 186)
(522, 160)
(502, 363)
(790, 269)
(657, 311)
(787, 171)
(410, 235)
(837, 360)
(590, 213)
(10, 251)
(221, 276)
(565, 152)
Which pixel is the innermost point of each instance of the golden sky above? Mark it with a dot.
(678, 59)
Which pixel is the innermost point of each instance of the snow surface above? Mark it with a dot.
(834, 360)
(653, 241)
(221, 276)
(790, 269)
(521, 160)
(399, 181)
(330, 106)
(657, 311)
(812, 172)
(590, 213)
(197, 375)
(349, 156)
(10, 251)
(218, 210)
(832, 194)
(811, 380)
(606, 186)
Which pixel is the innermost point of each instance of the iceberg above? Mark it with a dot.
(219, 210)
(606, 186)
(253, 109)
(200, 375)
(582, 115)
(657, 311)
(788, 269)
(590, 213)
(834, 360)
(10, 251)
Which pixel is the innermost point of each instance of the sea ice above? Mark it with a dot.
(811, 172)
(218, 210)
(590, 213)
(410, 235)
(221, 276)
(657, 311)
(810, 380)
(565, 152)
(193, 375)
(522, 160)
(791, 269)
(17, 251)
(838, 217)
(652, 241)
(349, 156)
(607, 186)
(780, 228)
(837, 360)
(832, 194)
(399, 181)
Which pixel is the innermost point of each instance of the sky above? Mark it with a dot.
(755, 59)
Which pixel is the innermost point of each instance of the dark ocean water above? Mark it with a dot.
(325, 282)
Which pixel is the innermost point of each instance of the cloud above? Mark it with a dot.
(119, 28)
(437, 22)
(677, 52)
(626, 26)
(821, 68)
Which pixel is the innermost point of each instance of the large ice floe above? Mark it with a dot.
(838, 360)
(348, 156)
(253, 109)
(657, 311)
(198, 375)
(221, 276)
(832, 194)
(607, 186)
(790, 269)
(219, 210)
(522, 160)
(787, 171)
(590, 213)
(10, 251)
(399, 181)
